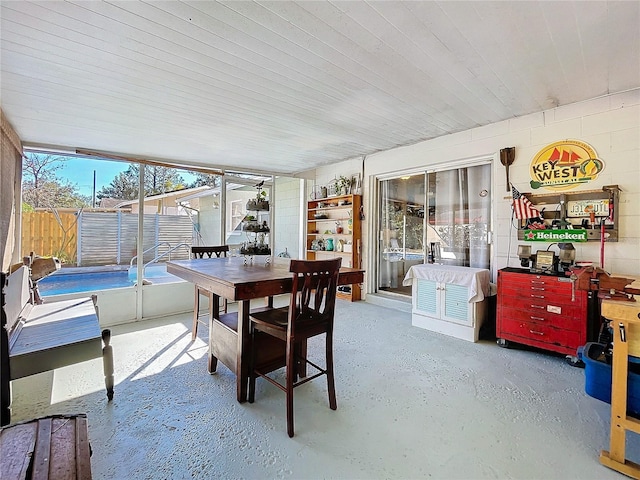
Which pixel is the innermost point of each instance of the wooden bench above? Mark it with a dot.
(55, 447)
(38, 338)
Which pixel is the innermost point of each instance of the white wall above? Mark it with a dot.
(326, 175)
(611, 125)
(287, 233)
(209, 220)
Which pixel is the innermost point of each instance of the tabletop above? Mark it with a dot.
(231, 278)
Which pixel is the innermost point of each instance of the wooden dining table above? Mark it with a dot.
(241, 281)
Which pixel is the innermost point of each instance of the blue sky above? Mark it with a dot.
(80, 172)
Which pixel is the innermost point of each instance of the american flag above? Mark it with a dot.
(522, 207)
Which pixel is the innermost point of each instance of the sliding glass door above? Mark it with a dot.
(459, 216)
(441, 217)
(402, 223)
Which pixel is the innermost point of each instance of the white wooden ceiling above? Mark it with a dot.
(286, 86)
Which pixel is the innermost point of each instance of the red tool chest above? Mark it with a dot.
(542, 311)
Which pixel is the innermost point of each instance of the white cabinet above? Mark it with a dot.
(449, 300)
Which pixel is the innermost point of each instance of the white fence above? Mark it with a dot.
(110, 238)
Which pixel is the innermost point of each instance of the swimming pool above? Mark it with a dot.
(89, 279)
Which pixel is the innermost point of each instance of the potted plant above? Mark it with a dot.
(260, 202)
(343, 185)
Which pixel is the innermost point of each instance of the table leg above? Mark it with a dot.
(214, 312)
(620, 370)
(244, 350)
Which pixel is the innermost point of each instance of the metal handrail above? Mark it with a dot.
(135, 257)
(168, 252)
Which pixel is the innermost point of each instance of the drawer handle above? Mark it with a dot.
(536, 333)
(538, 306)
(536, 288)
(537, 318)
(537, 296)
(533, 282)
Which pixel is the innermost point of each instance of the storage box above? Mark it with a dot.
(598, 378)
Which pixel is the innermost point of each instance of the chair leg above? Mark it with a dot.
(331, 385)
(290, 374)
(196, 308)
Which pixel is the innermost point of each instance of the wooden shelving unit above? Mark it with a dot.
(322, 215)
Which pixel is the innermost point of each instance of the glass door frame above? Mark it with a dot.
(374, 228)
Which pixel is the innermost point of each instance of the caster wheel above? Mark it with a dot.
(574, 361)
(503, 343)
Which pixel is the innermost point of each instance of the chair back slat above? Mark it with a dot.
(314, 289)
(209, 251)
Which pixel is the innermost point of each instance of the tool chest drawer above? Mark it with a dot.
(541, 311)
(537, 286)
(558, 321)
(541, 335)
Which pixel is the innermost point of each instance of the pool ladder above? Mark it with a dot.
(158, 257)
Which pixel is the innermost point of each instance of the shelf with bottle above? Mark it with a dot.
(330, 206)
(333, 230)
(338, 230)
(332, 245)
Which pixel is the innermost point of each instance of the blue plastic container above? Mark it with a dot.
(598, 378)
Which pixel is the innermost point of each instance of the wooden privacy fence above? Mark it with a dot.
(44, 235)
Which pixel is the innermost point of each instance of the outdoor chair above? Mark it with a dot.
(206, 252)
(310, 313)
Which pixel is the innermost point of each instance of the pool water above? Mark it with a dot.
(77, 280)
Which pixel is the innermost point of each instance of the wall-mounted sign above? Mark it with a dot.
(571, 235)
(564, 165)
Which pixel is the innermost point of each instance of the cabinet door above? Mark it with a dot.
(426, 298)
(456, 304)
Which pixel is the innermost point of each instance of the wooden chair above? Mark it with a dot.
(310, 313)
(206, 252)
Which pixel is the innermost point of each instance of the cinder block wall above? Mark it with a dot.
(288, 217)
(610, 124)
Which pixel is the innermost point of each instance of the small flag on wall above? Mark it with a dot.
(522, 207)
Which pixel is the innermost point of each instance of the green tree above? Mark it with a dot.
(42, 188)
(157, 180)
(203, 179)
(124, 186)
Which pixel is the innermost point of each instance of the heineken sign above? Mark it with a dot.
(577, 235)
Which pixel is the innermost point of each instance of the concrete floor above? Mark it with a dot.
(411, 404)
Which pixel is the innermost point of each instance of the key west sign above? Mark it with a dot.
(564, 165)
